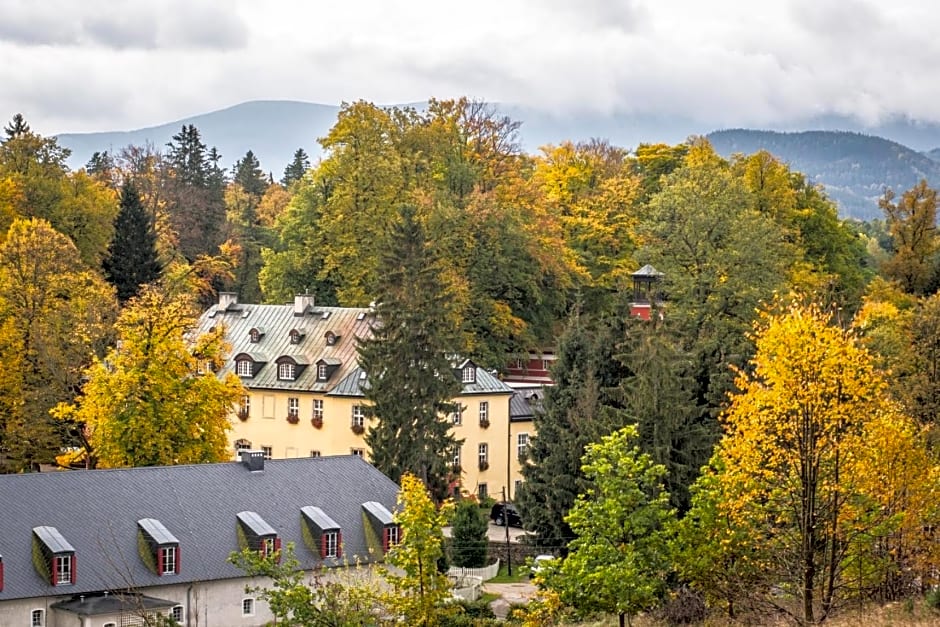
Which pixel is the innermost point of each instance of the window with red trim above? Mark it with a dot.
(331, 545)
(391, 536)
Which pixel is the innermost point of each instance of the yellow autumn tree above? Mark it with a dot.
(155, 398)
(808, 436)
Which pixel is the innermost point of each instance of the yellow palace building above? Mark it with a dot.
(298, 363)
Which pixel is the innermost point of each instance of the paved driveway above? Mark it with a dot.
(509, 593)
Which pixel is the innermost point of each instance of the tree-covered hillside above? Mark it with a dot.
(855, 169)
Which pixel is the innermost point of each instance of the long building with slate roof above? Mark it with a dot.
(102, 548)
(305, 397)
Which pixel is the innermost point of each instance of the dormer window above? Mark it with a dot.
(257, 535)
(286, 371)
(326, 367)
(256, 334)
(57, 563)
(383, 524)
(331, 338)
(469, 374)
(162, 554)
(296, 336)
(289, 367)
(247, 365)
(323, 534)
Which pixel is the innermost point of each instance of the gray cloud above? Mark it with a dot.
(124, 25)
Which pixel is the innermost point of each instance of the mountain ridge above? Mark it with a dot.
(274, 129)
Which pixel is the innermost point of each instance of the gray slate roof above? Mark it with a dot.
(96, 511)
(346, 323)
(524, 402)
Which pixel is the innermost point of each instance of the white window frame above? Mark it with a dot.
(457, 415)
(37, 618)
(482, 491)
(331, 544)
(522, 444)
(394, 535)
(315, 454)
(169, 560)
(484, 411)
(318, 408)
(243, 368)
(246, 404)
(63, 569)
(178, 613)
(483, 452)
(468, 375)
(358, 416)
(286, 371)
(457, 457)
(267, 451)
(293, 406)
(321, 372)
(248, 606)
(358, 452)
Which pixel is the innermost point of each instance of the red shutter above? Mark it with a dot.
(54, 564)
(277, 549)
(159, 561)
(73, 569)
(177, 559)
(385, 539)
(339, 544)
(323, 546)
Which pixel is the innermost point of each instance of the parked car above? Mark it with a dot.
(506, 514)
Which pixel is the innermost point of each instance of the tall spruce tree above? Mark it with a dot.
(16, 127)
(132, 256)
(576, 411)
(658, 397)
(296, 168)
(247, 173)
(411, 378)
(195, 189)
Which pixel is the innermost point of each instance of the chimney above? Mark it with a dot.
(302, 302)
(253, 460)
(226, 300)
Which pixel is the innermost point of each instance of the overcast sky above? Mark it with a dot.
(86, 65)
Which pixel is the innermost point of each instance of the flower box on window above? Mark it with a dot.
(243, 414)
(317, 422)
(358, 429)
(484, 423)
(484, 465)
(293, 418)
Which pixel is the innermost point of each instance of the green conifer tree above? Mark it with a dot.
(411, 379)
(132, 256)
(469, 540)
(296, 169)
(247, 173)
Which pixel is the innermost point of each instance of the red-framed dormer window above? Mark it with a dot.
(63, 569)
(168, 560)
(391, 536)
(331, 545)
(271, 546)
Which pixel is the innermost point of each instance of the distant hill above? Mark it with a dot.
(854, 163)
(854, 168)
(273, 130)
